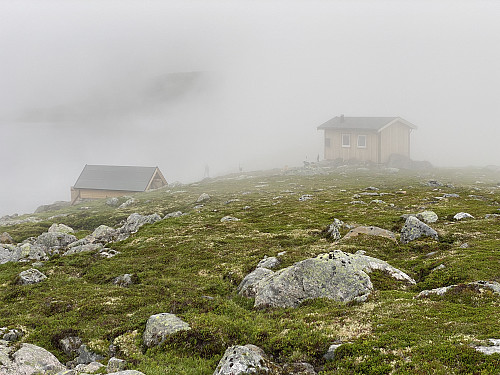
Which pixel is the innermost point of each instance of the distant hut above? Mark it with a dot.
(367, 139)
(103, 181)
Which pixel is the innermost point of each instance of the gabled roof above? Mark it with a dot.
(363, 123)
(113, 177)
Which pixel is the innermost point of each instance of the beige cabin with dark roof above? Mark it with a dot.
(106, 181)
(366, 139)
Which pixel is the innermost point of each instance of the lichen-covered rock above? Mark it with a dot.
(248, 359)
(173, 214)
(83, 248)
(428, 217)
(125, 280)
(135, 221)
(31, 359)
(336, 275)
(463, 215)
(204, 197)
(31, 276)
(494, 348)
(86, 356)
(414, 229)
(104, 234)
(60, 228)
(54, 240)
(70, 344)
(477, 285)
(269, 262)
(116, 364)
(6, 238)
(89, 368)
(159, 326)
(247, 285)
(229, 218)
(332, 231)
(372, 231)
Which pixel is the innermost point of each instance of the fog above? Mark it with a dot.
(234, 84)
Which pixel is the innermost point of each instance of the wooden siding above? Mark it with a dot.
(82, 194)
(394, 139)
(336, 151)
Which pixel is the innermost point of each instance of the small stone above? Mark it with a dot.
(116, 364)
(305, 197)
(269, 262)
(31, 276)
(330, 354)
(414, 229)
(229, 218)
(203, 198)
(464, 245)
(159, 326)
(173, 214)
(70, 344)
(125, 280)
(463, 215)
(13, 335)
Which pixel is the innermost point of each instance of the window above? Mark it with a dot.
(327, 142)
(346, 140)
(361, 141)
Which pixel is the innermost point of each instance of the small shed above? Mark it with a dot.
(366, 139)
(104, 181)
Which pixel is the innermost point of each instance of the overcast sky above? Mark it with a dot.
(269, 73)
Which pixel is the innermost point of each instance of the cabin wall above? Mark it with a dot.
(394, 139)
(336, 151)
(97, 194)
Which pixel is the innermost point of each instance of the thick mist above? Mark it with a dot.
(234, 84)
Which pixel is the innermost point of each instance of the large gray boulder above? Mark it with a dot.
(54, 240)
(135, 221)
(159, 326)
(248, 359)
(248, 284)
(336, 275)
(104, 234)
(30, 360)
(414, 229)
(31, 276)
(60, 228)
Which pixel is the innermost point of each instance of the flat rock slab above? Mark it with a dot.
(372, 231)
(491, 285)
(494, 348)
(336, 275)
(159, 326)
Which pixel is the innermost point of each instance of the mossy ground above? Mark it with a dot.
(191, 266)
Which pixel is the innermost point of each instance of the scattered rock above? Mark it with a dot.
(358, 202)
(269, 262)
(126, 372)
(125, 280)
(86, 356)
(113, 202)
(491, 285)
(463, 215)
(433, 183)
(299, 368)
(104, 234)
(494, 348)
(332, 231)
(6, 238)
(372, 188)
(305, 197)
(248, 359)
(377, 201)
(51, 241)
(248, 284)
(116, 364)
(13, 335)
(372, 231)
(464, 245)
(31, 276)
(204, 197)
(337, 275)
(70, 344)
(128, 202)
(330, 354)
(492, 216)
(60, 228)
(428, 217)
(159, 326)
(135, 221)
(173, 214)
(440, 267)
(90, 368)
(83, 248)
(451, 196)
(414, 229)
(229, 218)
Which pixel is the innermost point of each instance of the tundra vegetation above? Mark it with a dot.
(191, 266)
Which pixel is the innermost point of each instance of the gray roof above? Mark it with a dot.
(112, 177)
(364, 123)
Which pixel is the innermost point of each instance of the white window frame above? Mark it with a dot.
(361, 136)
(342, 140)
